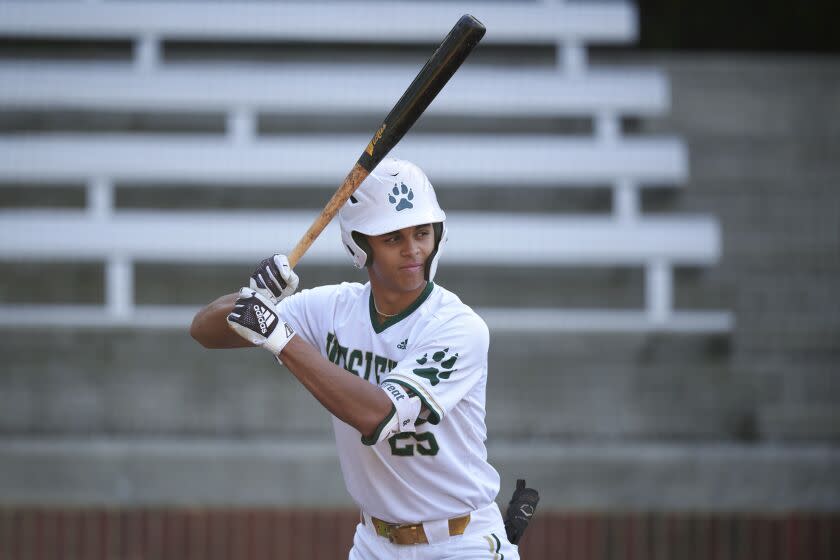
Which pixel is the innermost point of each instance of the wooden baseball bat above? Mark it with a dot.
(448, 57)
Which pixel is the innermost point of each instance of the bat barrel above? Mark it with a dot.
(445, 61)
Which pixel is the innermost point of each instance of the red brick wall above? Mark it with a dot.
(261, 534)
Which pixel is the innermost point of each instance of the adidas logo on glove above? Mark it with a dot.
(254, 318)
(265, 317)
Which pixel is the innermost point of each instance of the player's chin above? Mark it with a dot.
(411, 277)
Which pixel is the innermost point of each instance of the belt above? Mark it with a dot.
(409, 533)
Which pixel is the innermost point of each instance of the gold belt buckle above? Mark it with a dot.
(408, 534)
(400, 534)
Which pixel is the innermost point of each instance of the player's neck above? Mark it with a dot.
(390, 303)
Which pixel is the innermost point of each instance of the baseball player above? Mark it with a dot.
(400, 362)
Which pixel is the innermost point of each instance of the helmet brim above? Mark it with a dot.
(395, 223)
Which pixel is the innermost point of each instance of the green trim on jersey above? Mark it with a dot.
(375, 436)
(379, 327)
(435, 412)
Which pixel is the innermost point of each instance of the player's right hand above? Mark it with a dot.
(274, 279)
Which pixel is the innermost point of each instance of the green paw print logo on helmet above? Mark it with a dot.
(402, 193)
(439, 368)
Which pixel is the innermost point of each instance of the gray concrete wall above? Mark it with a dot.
(763, 137)
(745, 421)
(304, 473)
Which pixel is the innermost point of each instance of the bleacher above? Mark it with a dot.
(241, 156)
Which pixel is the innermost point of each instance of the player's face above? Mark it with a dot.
(399, 258)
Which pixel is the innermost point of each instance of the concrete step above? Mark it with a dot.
(143, 382)
(618, 392)
(133, 382)
(800, 422)
(295, 473)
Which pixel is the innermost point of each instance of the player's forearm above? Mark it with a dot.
(210, 329)
(349, 398)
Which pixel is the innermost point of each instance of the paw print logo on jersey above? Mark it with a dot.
(402, 196)
(440, 367)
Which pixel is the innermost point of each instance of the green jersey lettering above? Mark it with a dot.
(426, 444)
(353, 359)
(355, 356)
(368, 362)
(399, 447)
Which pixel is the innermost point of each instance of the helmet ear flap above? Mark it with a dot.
(437, 228)
(362, 242)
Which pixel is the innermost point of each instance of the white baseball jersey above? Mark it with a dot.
(437, 348)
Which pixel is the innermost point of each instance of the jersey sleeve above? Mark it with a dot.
(308, 311)
(446, 365)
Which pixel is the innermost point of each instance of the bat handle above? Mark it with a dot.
(347, 188)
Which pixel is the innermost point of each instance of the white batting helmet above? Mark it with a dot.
(397, 194)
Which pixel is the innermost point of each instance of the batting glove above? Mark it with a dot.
(255, 319)
(520, 511)
(274, 279)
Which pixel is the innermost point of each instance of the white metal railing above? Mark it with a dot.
(125, 237)
(488, 160)
(241, 157)
(149, 23)
(334, 89)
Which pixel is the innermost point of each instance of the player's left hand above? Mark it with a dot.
(274, 278)
(255, 319)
